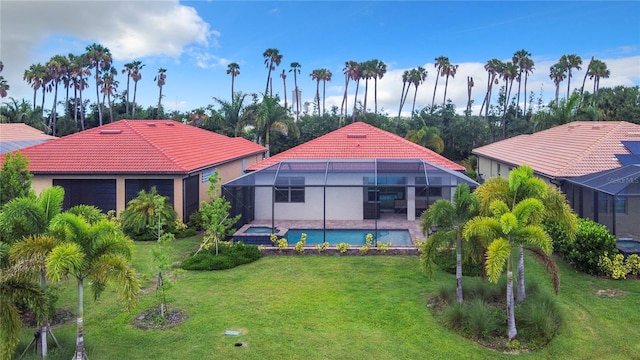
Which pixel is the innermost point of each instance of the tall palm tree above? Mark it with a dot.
(78, 72)
(234, 70)
(492, 66)
(596, 71)
(406, 80)
(505, 229)
(271, 56)
(56, 68)
(295, 68)
(509, 72)
(356, 75)
(527, 65)
(232, 112)
(317, 75)
(160, 80)
(418, 76)
(427, 136)
(97, 251)
(350, 68)
(571, 61)
(326, 76)
(450, 217)
(557, 114)
(520, 59)
(128, 69)
(449, 71)
(557, 73)
(272, 116)
(439, 63)
(368, 71)
(99, 58)
(283, 75)
(380, 69)
(136, 76)
(35, 77)
(109, 87)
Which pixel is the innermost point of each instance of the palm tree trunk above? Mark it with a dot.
(415, 93)
(110, 107)
(404, 84)
(81, 107)
(126, 108)
(159, 103)
(568, 82)
(317, 100)
(52, 119)
(343, 107)
(133, 109)
(511, 319)
(98, 95)
(34, 99)
(433, 98)
(355, 101)
(557, 92)
(266, 89)
(375, 94)
(519, 83)
(524, 111)
(324, 95)
(284, 83)
(521, 289)
(41, 346)
(446, 84)
(366, 91)
(459, 269)
(80, 352)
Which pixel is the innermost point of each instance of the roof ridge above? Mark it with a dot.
(594, 144)
(153, 144)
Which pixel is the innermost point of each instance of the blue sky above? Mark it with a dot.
(195, 41)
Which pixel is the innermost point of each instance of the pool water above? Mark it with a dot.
(629, 246)
(349, 236)
(259, 230)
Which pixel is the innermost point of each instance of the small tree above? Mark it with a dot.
(15, 178)
(215, 216)
(148, 216)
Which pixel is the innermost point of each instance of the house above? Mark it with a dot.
(107, 166)
(571, 156)
(14, 136)
(357, 172)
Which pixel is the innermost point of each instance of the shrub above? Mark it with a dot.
(538, 317)
(322, 247)
(343, 247)
(367, 244)
(229, 256)
(300, 244)
(383, 247)
(484, 291)
(592, 242)
(482, 320)
(454, 316)
(618, 267)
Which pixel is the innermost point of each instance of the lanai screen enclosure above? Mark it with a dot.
(340, 189)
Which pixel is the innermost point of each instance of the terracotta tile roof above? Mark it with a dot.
(138, 146)
(574, 149)
(359, 141)
(15, 136)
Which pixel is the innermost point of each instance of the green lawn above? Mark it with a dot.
(333, 307)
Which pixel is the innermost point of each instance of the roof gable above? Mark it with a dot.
(138, 146)
(359, 141)
(573, 149)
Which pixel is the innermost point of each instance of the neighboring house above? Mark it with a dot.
(107, 166)
(14, 136)
(573, 151)
(354, 173)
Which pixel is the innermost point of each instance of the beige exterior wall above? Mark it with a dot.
(491, 168)
(228, 171)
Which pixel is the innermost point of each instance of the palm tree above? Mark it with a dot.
(17, 287)
(128, 69)
(427, 136)
(109, 87)
(449, 70)
(136, 76)
(356, 75)
(597, 70)
(97, 251)
(380, 69)
(272, 116)
(557, 114)
(571, 61)
(368, 71)
(557, 74)
(234, 70)
(283, 75)
(527, 66)
(439, 63)
(509, 72)
(492, 66)
(35, 77)
(506, 229)
(520, 59)
(418, 76)
(56, 68)
(406, 80)
(78, 72)
(295, 68)
(326, 76)
(350, 67)
(160, 80)
(316, 75)
(99, 58)
(450, 218)
(271, 57)
(233, 112)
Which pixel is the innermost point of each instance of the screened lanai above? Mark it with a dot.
(344, 189)
(610, 197)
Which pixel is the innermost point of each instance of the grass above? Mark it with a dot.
(332, 307)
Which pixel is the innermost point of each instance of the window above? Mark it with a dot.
(608, 205)
(290, 190)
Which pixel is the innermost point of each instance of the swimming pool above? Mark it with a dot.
(350, 236)
(260, 230)
(628, 247)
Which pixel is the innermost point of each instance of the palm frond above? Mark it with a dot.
(11, 327)
(497, 254)
(67, 258)
(550, 266)
(493, 189)
(50, 200)
(484, 227)
(441, 213)
(535, 236)
(529, 211)
(33, 246)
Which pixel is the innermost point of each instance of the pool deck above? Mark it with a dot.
(387, 221)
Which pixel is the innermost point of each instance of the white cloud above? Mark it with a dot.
(130, 29)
